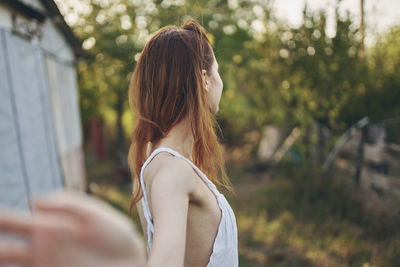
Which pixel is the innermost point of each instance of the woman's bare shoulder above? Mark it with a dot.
(168, 171)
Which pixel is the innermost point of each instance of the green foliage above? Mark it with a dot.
(379, 93)
(272, 73)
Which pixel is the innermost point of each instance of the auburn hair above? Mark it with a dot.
(167, 87)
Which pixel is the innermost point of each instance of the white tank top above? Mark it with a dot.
(225, 249)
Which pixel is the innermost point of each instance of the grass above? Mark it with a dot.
(291, 216)
(295, 216)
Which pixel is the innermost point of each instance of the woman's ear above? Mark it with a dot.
(205, 80)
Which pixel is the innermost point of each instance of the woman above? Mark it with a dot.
(175, 156)
(175, 93)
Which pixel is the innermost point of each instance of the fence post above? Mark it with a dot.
(343, 139)
(360, 156)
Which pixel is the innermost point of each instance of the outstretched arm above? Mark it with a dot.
(169, 193)
(71, 229)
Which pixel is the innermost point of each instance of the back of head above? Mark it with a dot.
(166, 88)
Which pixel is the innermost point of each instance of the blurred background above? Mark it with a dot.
(310, 115)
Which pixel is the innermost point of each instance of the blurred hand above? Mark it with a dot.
(71, 230)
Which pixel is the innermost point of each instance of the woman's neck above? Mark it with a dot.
(179, 138)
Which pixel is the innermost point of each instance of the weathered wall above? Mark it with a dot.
(40, 131)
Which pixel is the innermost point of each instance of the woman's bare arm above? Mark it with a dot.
(170, 190)
(71, 230)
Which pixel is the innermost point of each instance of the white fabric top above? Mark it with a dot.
(225, 249)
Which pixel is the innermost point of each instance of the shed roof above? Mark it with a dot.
(53, 13)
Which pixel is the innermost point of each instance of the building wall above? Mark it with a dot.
(40, 130)
(64, 101)
(35, 4)
(5, 17)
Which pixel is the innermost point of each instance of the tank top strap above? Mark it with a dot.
(205, 179)
(144, 200)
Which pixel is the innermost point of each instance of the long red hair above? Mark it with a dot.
(167, 87)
